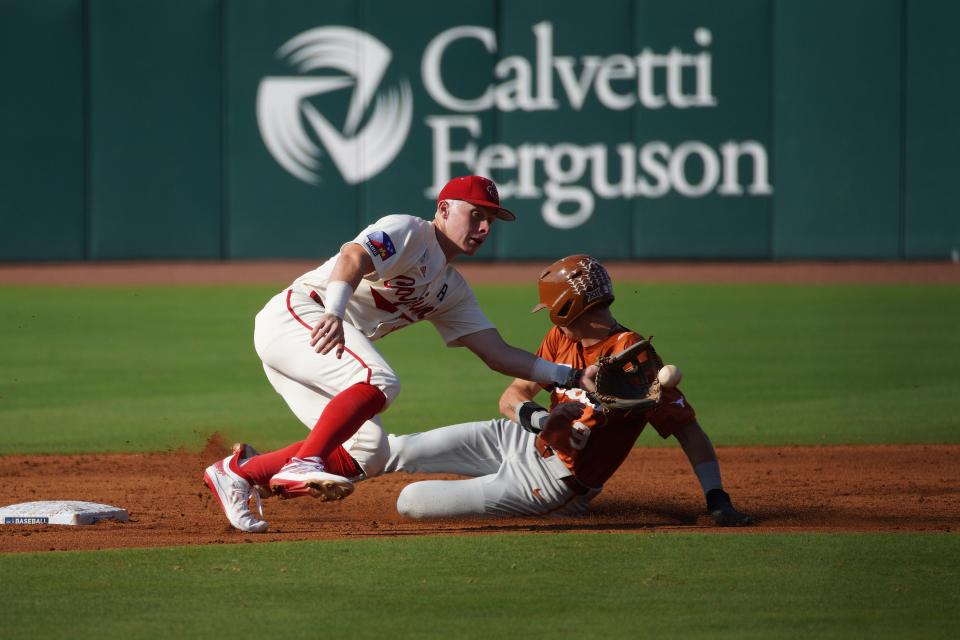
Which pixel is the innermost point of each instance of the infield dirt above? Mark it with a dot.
(863, 488)
(838, 488)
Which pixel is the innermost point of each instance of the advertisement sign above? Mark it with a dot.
(607, 127)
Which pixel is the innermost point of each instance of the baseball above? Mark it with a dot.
(669, 376)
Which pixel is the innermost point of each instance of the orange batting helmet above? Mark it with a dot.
(572, 285)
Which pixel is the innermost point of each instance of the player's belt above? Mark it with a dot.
(316, 297)
(577, 487)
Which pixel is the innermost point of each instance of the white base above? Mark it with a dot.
(70, 512)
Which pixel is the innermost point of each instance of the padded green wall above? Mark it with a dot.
(607, 230)
(837, 106)
(932, 130)
(41, 130)
(712, 226)
(155, 189)
(271, 213)
(400, 189)
(129, 128)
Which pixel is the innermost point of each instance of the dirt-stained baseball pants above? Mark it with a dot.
(509, 477)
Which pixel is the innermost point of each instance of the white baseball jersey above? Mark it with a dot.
(412, 282)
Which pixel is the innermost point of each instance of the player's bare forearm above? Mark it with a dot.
(518, 392)
(503, 358)
(489, 346)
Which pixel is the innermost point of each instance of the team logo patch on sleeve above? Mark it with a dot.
(380, 243)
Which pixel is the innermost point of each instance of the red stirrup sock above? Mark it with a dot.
(259, 469)
(342, 463)
(341, 418)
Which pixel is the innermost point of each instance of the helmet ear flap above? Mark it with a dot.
(562, 312)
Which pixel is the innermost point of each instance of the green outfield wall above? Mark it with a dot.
(630, 129)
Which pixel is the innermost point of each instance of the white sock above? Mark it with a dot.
(708, 473)
(442, 499)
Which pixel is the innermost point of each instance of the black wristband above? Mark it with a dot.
(527, 414)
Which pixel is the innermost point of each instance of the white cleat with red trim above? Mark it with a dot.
(234, 494)
(307, 477)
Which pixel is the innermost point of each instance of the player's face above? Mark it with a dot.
(466, 225)
(577, 328)
(570, 333)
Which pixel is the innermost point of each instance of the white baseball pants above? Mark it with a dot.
(509, 475)
(307, 380)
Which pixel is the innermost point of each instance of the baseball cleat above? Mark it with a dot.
(307, 477)
(721, 510)
(243, 451)
(234, 494)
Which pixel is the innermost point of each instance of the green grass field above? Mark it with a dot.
(533, 586)
(154, 368)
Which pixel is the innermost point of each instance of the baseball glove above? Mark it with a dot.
(628, 380)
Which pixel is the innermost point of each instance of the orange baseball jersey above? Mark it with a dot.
(595, 446)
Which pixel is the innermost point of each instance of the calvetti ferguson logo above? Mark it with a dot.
(291, 126)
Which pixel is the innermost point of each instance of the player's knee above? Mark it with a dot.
(388, 382)
(410, 503)
(369, 448)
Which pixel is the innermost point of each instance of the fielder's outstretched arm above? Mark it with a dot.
(503, 358)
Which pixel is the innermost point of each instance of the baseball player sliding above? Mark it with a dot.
(316, 342)
(541, 461)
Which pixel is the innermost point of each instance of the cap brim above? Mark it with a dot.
(503, 214)
(539, 307)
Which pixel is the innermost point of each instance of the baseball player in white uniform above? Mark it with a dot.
(316, 343)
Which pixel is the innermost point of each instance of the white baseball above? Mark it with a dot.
(669, 376)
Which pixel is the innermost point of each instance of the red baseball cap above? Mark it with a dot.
(476, 190)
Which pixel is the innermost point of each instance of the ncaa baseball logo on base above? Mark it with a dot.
(344, 63)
